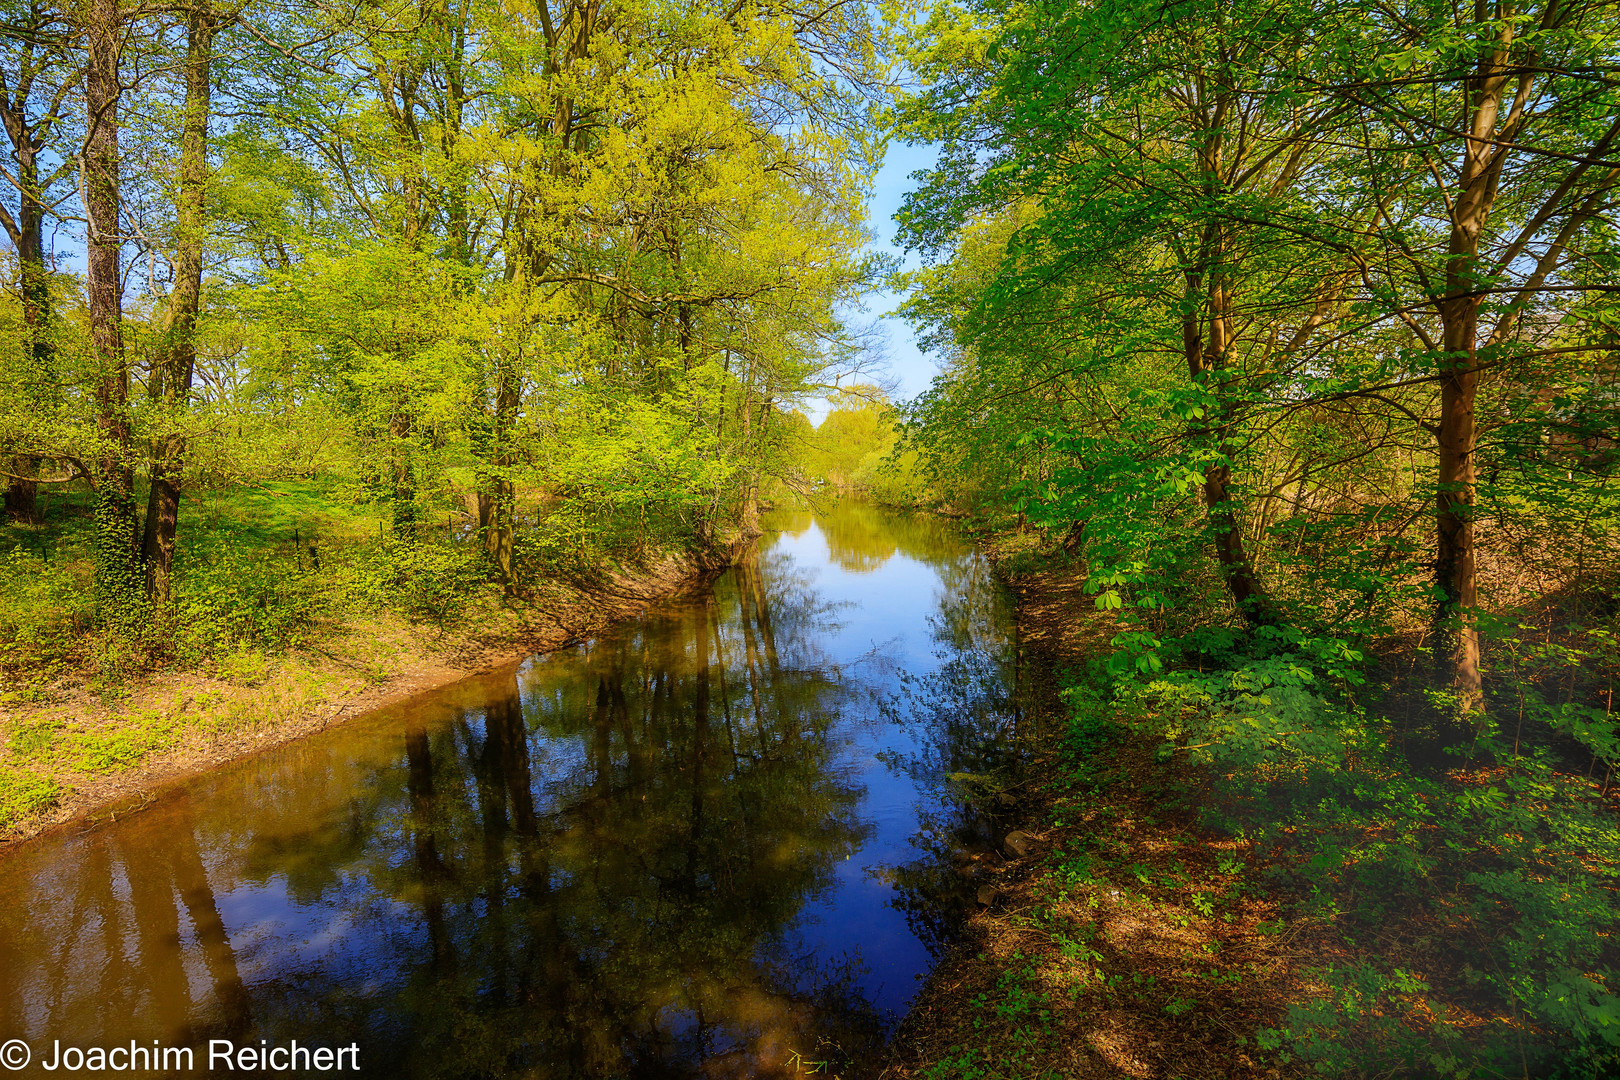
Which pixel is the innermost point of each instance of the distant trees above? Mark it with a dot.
(858, 449)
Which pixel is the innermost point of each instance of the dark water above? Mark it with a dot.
(715, 841)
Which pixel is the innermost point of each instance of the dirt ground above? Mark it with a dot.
(161, 730)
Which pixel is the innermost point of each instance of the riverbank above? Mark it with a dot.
(76, 754)
(1235, 869)
(1120, 939)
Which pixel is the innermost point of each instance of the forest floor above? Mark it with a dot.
(1120, 940)
(77, 752)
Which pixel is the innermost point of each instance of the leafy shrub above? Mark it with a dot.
(230, 595)
(427, 581)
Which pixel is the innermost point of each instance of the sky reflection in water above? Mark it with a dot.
(710, 840)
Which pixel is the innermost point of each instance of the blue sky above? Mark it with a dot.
(906, 363)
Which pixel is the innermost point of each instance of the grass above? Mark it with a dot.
(124, 742)
(62, 747)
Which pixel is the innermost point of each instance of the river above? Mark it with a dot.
(717, 840)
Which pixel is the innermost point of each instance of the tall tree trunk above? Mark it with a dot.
(172, 374)
(1455, 564)
(117, 576)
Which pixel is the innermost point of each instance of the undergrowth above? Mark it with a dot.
(264, 570)
(1473, 893)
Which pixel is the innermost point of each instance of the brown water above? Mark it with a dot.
(715, 841)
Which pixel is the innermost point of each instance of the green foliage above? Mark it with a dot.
(125, 742)
(431, 582)
(45, 610)
(1211, 320)
(579, 296)
(120, 591)
(231, 594)
(23, 794)
(1515, 858)
(858, 448)
(34, 740)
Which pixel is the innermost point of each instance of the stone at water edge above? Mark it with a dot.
(988, 895)
(1018, 844)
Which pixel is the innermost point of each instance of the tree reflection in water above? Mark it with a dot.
(601, 864)
(966, 718)
(602, 859)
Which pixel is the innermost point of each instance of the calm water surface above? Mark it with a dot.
(706, 842)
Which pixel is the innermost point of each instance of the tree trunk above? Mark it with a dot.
(117, 577)
(402, 467)
(21, 488)
(172, 375)
(36, 292)
(27, 236)
(22, 492)
(497, 502)
(1207, 365)
(1455, 565)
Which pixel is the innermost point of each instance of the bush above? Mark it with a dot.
(230, 596)
(434, 582)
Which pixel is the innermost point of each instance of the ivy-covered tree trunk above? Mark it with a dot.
(117, 576)
(172, 374)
